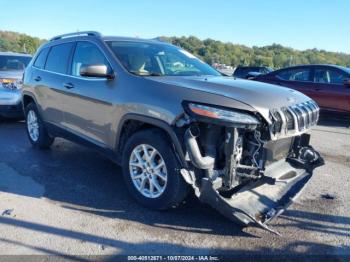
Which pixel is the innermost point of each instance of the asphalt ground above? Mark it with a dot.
(70, 200)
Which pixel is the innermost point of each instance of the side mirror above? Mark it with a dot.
(347, 83)
(100, 71)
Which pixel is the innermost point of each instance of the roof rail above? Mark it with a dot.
(87, 33)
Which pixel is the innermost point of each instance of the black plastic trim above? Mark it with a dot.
(155, 122)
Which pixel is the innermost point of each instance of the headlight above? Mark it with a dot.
(222, 114)
(12, 84)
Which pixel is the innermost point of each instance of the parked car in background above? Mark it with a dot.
(173, 122)
(328, 85)
(247, 72)
(12, 66)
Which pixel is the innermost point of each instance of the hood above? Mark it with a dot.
(261, 96)
(15, 74)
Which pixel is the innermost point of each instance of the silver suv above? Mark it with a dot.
(12, 66)
(173, 123)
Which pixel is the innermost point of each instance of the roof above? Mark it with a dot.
(97, 35)
(331, 65)
(14, 54)
(131, 39)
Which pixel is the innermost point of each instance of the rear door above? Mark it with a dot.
(329, 89)
(48, 76)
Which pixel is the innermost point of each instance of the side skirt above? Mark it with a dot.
(63, 133)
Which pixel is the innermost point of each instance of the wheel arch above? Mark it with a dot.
(27, 99)
(131, 123)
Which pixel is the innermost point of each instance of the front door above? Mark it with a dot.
(330, 91)
(88, 107)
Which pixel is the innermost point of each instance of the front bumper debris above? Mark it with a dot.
(260, 201)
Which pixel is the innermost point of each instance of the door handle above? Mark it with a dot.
(68, 85)
(38, 78)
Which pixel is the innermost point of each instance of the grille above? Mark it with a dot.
(277, 127)
(289, 119)
(295, 118)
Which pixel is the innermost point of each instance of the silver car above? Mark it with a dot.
(12, 66)
(173, 123)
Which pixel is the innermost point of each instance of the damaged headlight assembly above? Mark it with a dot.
(213, 114)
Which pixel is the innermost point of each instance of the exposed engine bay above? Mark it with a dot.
(243, 172)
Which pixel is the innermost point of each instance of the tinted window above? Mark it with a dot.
(244, 71)
(87, 53)
(13, 63)
(265, 70)
(329, 76)
(41, 59)
(298, 74)
(57, 61)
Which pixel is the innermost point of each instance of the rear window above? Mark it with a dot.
(13, 63)
(329, 76)
(244, 71)
(41, 59)
(57, 61)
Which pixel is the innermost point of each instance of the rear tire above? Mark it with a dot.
(36, 130)
(152, 172)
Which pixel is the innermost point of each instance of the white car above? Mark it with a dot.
(12, 66)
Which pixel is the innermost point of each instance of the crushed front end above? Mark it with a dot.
(247, 168)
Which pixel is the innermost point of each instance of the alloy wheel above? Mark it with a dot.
(148, 171)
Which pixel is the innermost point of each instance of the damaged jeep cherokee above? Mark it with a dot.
(173, 123)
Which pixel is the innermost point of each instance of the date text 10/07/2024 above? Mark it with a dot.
(173, 258)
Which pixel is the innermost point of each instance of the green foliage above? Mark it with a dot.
(275, 55)
(15, 42)
(211, 51)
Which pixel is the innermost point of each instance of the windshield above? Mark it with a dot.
(152, 59)
(346, 69)
(14, 63)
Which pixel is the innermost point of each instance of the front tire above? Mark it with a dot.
(36, 130)
(152, 172)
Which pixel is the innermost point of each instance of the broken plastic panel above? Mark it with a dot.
(260, 201)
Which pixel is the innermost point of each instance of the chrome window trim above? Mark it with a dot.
(77, 77)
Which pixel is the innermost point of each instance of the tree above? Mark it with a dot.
(211, 51)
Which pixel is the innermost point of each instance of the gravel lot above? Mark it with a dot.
(71, 201)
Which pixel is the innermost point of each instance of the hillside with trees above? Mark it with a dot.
(211, 51)
(275, 55)
(15, 42)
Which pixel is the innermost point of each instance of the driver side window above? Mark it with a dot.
(298, 74)
(87, 53)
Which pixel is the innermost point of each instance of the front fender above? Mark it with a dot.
(168, 129)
